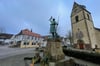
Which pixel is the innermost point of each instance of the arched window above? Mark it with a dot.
(76, 18)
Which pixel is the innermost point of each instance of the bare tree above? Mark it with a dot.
(69, 36)
(2, 30)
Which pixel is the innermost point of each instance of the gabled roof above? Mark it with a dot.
(29, 33)
(5, 36)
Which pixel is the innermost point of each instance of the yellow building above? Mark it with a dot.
(85, 35)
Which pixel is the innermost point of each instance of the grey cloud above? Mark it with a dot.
(19, 14)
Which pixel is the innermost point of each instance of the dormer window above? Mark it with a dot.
(76, 18)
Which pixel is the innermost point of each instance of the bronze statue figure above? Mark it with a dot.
(53, 27)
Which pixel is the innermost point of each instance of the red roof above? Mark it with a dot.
(29, 33)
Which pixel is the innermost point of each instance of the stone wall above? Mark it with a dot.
(97, 33)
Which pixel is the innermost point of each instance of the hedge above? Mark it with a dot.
(92, 57)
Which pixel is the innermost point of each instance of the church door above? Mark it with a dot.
(81, 46)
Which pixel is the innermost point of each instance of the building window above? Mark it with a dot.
(27, 43)
(18, 42)
(35, 38)
(76, 18)
(24, 43)
(88, 16)
(33, 43)
(28, 37)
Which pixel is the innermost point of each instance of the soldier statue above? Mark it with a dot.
(53, 27)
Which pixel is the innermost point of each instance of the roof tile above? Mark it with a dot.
(29, 33)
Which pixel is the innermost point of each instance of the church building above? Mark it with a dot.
(85, 35)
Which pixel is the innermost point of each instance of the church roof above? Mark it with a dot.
(82, 7)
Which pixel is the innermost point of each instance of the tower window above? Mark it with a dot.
(88, 16)
(76, 18)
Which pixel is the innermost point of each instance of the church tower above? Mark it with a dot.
(82, 27)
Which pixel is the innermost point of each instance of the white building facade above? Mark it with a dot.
(27, 39)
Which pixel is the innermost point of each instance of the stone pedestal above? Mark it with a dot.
(55, 54)
(54, 49)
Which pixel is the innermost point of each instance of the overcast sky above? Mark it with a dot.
(16, 15)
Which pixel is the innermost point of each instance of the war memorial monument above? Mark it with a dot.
(53, 53)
